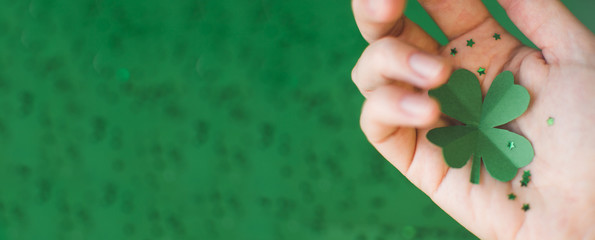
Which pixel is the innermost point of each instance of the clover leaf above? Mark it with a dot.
(502, 152)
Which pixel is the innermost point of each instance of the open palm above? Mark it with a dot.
(403, 62)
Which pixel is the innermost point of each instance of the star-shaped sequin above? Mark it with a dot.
(470, 43)
(511, 196)
(526, 178)
(453, 51)
(497, 36)
(525, 207)
(481, 71)
(510, 145)
(550, 121)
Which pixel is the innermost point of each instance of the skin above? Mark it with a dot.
(560, 78)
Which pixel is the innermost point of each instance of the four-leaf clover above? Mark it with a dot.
(478, 139)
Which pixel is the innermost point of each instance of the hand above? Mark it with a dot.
(403, 62)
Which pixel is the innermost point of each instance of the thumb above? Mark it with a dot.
(551, 27)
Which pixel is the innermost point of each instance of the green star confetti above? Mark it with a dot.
(511, 196)
(550, 121)
(497, 36)
(510, 145)
(470, 43)
(526, 178)
(478, 139)
(526, 207)
(453, 51)
(481, 71)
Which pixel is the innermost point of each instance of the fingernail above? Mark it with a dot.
(425, 65)
(415, 104)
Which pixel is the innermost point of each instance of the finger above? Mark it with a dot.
(380, 18)
(551, 26)
(389, 59)
(456, 17)
(377, 18)
(389, 120)
(391, 107)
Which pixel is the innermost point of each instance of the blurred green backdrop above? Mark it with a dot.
(208, 119)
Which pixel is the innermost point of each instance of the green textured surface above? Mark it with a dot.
(211, 119)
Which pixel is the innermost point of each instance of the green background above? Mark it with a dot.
(209, 119)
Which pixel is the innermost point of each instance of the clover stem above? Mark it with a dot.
(475, 169)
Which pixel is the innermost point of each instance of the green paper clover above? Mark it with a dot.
(460, 99)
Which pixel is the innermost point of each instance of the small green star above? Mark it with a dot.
(481, 71)
(453, 51)
(526, 207)
(550, 121)
(470, 43)
(526, 178)
(510, 145)
(497, 36)
(511, 196)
